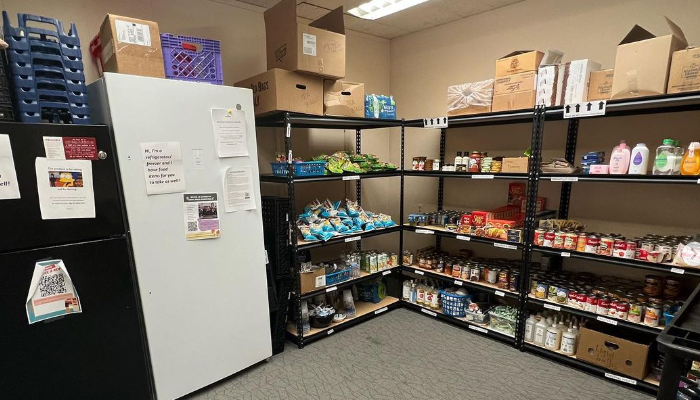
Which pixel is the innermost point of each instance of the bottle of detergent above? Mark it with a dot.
(690, 164)
(639, 160)
(665, 158)
(620, 159)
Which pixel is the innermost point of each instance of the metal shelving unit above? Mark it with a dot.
(481, 286)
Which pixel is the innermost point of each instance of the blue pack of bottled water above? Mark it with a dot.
(380, 106)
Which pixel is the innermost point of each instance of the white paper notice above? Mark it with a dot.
(65, 188)
(162, 167)
(51, 293)
(230, 132)
(201, 216)
(238, 189)
(9, 188)
(54, 148)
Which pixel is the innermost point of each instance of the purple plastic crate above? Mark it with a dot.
(193, 59)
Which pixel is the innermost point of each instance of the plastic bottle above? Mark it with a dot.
(620, 159)
(530, 328)
(349, 304)
(414, 293)
(540, 331)
(665, 158)
(420, 290)
(375, 104)
(428, 296)
(569, 342)
(639, 160)
(678, 157)
(458, 159)
(552, 339)
(406, 292)
(436, 298)
(690, 163)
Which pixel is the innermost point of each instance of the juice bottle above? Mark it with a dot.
(665, 158)
(690, 164)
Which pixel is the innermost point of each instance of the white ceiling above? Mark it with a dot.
(423, 16)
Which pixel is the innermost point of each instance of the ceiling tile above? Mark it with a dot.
(463, 8)
(499, 3)
(310, 11)
(373, 28)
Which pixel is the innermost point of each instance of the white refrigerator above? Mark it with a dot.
(204, 302)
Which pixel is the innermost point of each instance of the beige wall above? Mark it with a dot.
(423, 64)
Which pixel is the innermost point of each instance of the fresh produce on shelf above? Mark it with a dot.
(345, 161)
(503, 319)
(322, 221)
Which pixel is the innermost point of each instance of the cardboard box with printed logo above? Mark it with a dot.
(514, 101)
(515, 83)
(282, 90)
(130, 46)
(343, 98)
(317, 48)
(684, 75)
(600, 85)
(518, 61)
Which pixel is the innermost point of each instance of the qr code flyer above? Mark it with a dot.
(51, 293)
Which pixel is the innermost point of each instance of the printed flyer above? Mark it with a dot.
(51, 293)
(201, 216)
(65, 188)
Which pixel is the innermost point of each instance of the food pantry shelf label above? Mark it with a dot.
(432, 314)
(565, 179)
(499, 293)
(330, 331)
(506, 246)
(419, 272)
(607, 320)
(162, 167)
(587, 109)
(437, 122)
(425, 231)
(351, 178)
(552, 307)
(459, 283)
(309, 44)
(482, 176)
(381, 310)
(478, 329)
(461, 237)
(620, 378)
(565, 254)
(385, 273)
(353, 239)
(678, 271)
(331, 289)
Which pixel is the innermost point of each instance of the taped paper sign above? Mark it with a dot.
(201, 216)
(162, 167)
(9, 188)
(65, 188)
(230, 132)
(51, 293)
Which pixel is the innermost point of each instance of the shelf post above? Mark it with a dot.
(571, 136)
(401, 196)
(358, 183)
(441, 182)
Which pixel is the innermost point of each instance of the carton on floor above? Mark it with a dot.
(281, 90)
(614, 353)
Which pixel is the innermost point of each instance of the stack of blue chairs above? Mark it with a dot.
(46, 71)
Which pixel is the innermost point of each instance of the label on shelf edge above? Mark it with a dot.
(431, 313)
(606, 320)
(552, 307)
(425, 231)
(386, 272)
(351, 178)
(482, 176)
(462, 237)
(332, 288)
(678, 271)
(330, 331)
(419, 272)
(459, 283)
(505, 246)
(564, 179)
(381, 310)
(620, 378)
(698, 181)
(565, 254)
(478, 329)
(585, 109)
(352, 239)
(436, 122)
(499, 293)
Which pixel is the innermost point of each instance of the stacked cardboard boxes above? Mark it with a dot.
(516, 81)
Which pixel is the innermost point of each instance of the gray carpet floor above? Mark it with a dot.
(405, 355)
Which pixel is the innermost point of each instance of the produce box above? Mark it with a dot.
(684, 75)
(643, 60)
(518, 61)
(470, 98)
(614, 353)
(343, 98)
(600, 85)
(282, 90)
(311, 281)
(130, 46)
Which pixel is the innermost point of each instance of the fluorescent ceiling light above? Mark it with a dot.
(376, 9)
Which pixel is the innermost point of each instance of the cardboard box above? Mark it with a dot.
(470, 98)
(619, 355)
(514, 101)
(131, 46)
(317, 48)
(516, 83)
(515, 164)
(547, 85)
(540, 204)
(342, 98)
(516, 192)
(575, 78)
(518, 61)
(684, 75)
(313, 280)
(643, 60)
(281, 90)
(600, 85)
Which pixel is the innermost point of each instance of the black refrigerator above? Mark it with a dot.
(99, 353)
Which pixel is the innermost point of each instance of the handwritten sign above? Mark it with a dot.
(162, 167)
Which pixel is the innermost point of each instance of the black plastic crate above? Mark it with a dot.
(271, 290)
(275, 210)
(6, 109)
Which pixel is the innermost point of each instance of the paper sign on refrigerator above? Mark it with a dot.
(162, 167)
(9, 189)
(65, 188)
(51, 293)
(230, 132)
(201, 216)
(238, 189)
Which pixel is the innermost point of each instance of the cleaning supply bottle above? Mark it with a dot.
(665, 158)
(540, 331)
(406, 292)
(690, 163)
(569, 342)
(530, 328)
(553, 339)
(639, 160)
(678, 157)
(620, 159)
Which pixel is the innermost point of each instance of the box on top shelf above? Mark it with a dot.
(515, 164)
(515, 83)
(380, 106)
(514, 101)
(343, 98)
(317, 48)
(131, 46)
(684, 75)
(548, 83)
(642, 62)
(282, 90)
(470, 98)
(574, 83)
(518, 61)
(600, 85)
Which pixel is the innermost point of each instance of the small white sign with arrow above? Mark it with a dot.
(586, 109)
(436, 122)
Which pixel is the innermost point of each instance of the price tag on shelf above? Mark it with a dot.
(426, 311)
(606, 320)
(331, 289)
(564, 179)
(478, 329)
(482, 176)
(499, 293)
(462, 237)
(419, 272)
(459, 283)
(387, 272)
(552, 307)
(505, 246)
(381, 310)
(678, 271)
(351, 178)
(425, 231)
(288, 133)
(330, 331)
(565, 254)
(587, 109)
(620, 378)
(353, 239)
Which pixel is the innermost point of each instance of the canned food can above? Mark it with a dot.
(541, 290)
(456, 270)
(474, 273)
(559, 240)
(607, 245)
(552, 292)
(592, 244)
(582, 298)
(539, 237)
(652, 316)
(636, 312)
(591, 303)
(493, 275)
(503, 279)
(548, 239)
(631, 249)
(572, 301)
(622, 309)
(603, 307)
(613, 308)
(466, 272)
(562, 294)
(514, 280)
(570, 241)
(647, 245)
(619, 248)
(581, 242)
(665, 253)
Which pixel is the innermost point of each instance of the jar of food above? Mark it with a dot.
(474, 273)
(440, 266)
(466, 271)
(448, 267)
(421, 163)
(416, 162)
(653, 285)
(603, 306)
(635, 312)
(456, 270)
(652, 316)
(429, 164)
(672, 288)
(436, 164)
(493, 275)
(514, 280)
(538, 238)
(407, 258)
(533, 284)
(503, 279)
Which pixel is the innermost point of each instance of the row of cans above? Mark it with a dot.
(651, 248)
